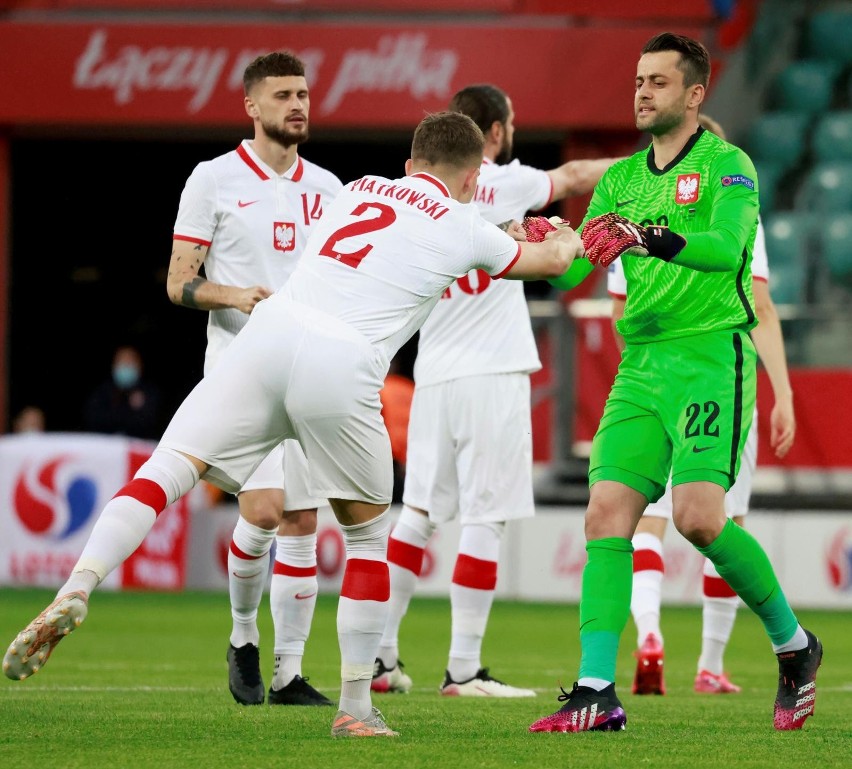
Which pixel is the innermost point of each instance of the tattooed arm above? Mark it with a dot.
(514, 229)
(187, 288)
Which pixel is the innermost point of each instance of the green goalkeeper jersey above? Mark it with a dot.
(709, 195)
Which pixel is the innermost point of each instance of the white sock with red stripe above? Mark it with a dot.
(406, 548)
(719, 613)
(362, 611)
(471, 596)
(248, 566)
(648, 570)
(292, 597)
(128, 517)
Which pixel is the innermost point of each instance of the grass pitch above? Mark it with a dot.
(143, 683)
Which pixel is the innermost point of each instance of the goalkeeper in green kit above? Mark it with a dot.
(682, 215)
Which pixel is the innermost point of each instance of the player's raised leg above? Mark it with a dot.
(122, 525)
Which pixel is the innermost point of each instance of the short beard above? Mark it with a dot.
(284, 136)
(504, 156)
(663, 125)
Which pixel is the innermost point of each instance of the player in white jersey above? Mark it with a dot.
(245, 216)
(719, 600)
(474, 356)
(309, 365)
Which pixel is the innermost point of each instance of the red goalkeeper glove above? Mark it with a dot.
(536, 227)
(608, 236)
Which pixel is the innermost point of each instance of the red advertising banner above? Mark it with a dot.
(284, 6)
(672, 10)
(361, 75)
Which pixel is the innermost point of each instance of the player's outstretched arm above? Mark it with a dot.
(548, 258)
(578, 177)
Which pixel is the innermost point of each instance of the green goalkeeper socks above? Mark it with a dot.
(743, 564)
(604, 605)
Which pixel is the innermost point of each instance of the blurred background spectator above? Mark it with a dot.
(30, 419)
(125, 403)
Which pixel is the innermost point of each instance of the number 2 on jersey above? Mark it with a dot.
(333, 248)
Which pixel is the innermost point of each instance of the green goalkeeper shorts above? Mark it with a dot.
(683, 405)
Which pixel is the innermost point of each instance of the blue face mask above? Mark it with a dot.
(125, 375)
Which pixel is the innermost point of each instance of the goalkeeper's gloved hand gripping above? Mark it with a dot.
(608, 236)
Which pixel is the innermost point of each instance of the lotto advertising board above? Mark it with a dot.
(52, 489)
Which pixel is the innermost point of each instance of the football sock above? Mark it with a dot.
(648, 570)
(742, 563)
(604, 605)
(248, 567)
(406, 548)
(292, 599)
(362, 610)
(128, 517)
(718, 615)
(287, 667)
(471, 596)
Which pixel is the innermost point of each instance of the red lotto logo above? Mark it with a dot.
(687, 188)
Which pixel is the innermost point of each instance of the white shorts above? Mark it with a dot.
(292, 372)
(286, 468)
(738, 496)
(470, 449)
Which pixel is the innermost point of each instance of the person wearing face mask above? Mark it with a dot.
(125, 403)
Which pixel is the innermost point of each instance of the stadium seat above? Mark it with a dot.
(787, 244)
(834, 236)
(805, 85)
(769, 174)
(779, 137)
(827, 187)
(832, 137)
(828, 34)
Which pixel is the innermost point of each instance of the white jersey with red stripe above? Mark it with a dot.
(480, 326)
(254, 222)
(398, 243)
(616, 283)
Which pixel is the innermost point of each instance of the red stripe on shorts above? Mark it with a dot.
(286, 570)
(648, 560)
(365, 580)
(475, 573)
(716, 587)
(405, 556)
(145, 491)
